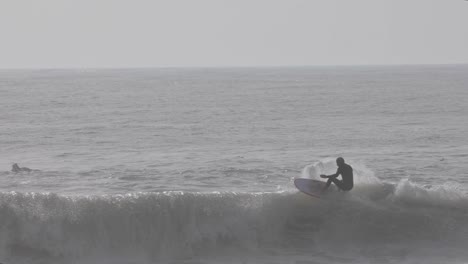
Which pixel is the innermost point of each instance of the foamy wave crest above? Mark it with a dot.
(146, 227)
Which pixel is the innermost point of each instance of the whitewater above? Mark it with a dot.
(196, 165)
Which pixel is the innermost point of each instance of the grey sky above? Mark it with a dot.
(142, 33)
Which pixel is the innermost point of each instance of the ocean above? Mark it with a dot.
(195, 165)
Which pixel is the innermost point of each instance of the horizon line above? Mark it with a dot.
(232, 66)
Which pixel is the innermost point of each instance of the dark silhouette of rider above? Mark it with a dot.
(346, 172)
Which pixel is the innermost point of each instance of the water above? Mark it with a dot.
(195, 165)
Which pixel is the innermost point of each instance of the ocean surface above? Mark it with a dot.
(195, 166)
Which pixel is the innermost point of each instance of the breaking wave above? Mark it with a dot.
(149, 227)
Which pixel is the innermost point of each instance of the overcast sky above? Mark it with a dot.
(160, 33)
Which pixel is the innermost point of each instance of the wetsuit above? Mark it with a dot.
(346, 183)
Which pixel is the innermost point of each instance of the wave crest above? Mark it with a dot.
(162, 225)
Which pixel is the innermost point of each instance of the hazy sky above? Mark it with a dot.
(142, 33)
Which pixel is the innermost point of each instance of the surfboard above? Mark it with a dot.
(309, 186)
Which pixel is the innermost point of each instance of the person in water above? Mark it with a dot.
(346, 172)
(16, 168)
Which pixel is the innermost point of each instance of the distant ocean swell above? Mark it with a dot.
(157, 226)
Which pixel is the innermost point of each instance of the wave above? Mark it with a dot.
(162, 225)
(148, 227)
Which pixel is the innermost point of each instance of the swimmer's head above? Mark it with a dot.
(15, 167)
(340, 161)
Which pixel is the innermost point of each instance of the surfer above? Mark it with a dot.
(16, 168)
(346, 172)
